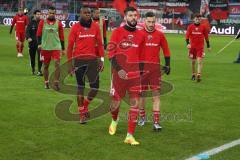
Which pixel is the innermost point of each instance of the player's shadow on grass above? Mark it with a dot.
(62, 109)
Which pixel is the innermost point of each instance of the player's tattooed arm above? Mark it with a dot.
(115, 64)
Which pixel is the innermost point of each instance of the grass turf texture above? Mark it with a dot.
(31, 130)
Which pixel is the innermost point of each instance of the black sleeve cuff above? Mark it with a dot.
(11, 29)
(167, 61)
(62, 44)
(208, 44)
(187, 41)
(115, 65)
(39, 40)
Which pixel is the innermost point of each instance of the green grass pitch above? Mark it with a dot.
(30, 130)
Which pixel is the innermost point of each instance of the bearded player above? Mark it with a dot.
(154, 41)
(102, 24)
(21, 22)
(51, 41)
(124, 53)
(196, 33)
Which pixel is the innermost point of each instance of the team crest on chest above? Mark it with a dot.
(130, 37)
(149, 37)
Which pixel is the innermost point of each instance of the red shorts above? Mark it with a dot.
(119, 87)
(46, 56)
(195, 53)
(20, 36)
(151, 77)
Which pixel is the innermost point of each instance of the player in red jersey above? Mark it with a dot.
(196, 33)
(102, 24)
(85, 52)
(51, 41)
(21, 22)
(125, 49)
(154, 41)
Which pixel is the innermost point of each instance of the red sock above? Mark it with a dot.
(156, 116)
(132, 119)
(81, 109)
(115, 114)
(21, 48)
(85, 104)
(142, 113)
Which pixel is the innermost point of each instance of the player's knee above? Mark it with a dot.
(114, 105)
(156, 99)
(134, 102)
(199, 61)
(57, 63)
(46, 66)
(95, 85)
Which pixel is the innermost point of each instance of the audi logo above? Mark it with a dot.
(7, 21)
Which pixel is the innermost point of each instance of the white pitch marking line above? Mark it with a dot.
(216, 150)
(226, 46)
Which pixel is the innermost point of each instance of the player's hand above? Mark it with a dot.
(63, 52)
(29, 39)
(122, 74)
(209, 49)
(101, 66)
(40, 47)
(167, 70)
(70, 68)
(188, 46)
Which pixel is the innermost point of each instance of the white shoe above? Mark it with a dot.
(141, 121)
(157, 127)
(19, 55)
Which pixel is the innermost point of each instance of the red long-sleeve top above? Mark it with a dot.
(196, 34)
(85, 43)
(21, 23)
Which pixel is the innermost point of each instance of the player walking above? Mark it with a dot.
(21, 22)
(196, 33)
(154, 40)
(31, 36)
(124, 52)
(85, 51)
(51, 41)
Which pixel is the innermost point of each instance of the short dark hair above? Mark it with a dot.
(129, 9)
(149, 14)
(36, 11)
(95, 9)
(85, 7)
(51, 8)
(197, 15)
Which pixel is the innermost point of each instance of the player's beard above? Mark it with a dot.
(51, 18)
(96, 18)
(150, 29)
(132, 25)
(197, 23)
